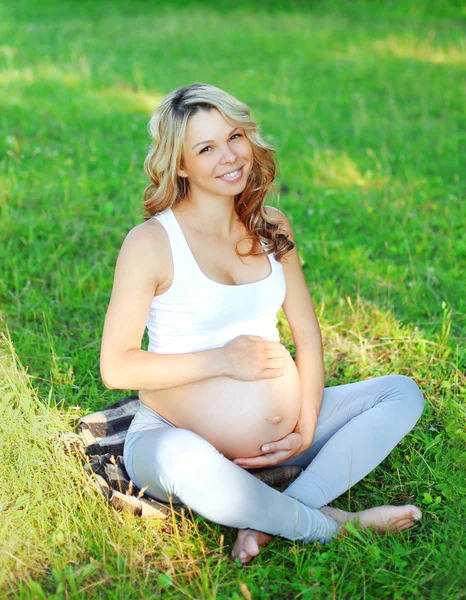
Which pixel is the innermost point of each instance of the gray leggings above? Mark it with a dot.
(358, 426)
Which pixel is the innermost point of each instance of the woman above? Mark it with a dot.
(207, 272)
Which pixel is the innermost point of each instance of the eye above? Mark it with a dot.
(239, 134)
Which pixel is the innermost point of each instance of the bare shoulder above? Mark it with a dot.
(148, 239)
(150, 233)
(146, 251)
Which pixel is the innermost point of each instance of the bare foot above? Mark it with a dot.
(247, 544)
(381, 518)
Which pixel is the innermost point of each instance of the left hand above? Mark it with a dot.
(275, 452)
(296, 442)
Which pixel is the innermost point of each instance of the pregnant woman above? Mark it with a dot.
(206, 272)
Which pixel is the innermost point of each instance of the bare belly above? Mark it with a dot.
(236, 417)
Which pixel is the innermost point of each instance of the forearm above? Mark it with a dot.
(310, 365)
(141, 370)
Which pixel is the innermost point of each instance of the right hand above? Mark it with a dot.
(251, 357)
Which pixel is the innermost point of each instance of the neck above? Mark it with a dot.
(210, 215)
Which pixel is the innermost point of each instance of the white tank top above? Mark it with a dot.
(197, 313)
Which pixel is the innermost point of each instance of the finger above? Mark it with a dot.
(271, 373)
(277, 446)
(262, 461)
(278, 363)
(278, 350)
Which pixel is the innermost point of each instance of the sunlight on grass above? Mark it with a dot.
(364, 340)
(280, 100)
(128, 97)
(420, 50)
(337, 170)
(43, 72)
(407, 46)
(9, 53)
(122, 94)
(55, 524)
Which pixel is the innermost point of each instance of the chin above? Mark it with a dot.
(235, 190)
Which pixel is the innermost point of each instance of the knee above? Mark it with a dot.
(413, 401)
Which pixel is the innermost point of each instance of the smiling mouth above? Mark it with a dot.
(232, 175)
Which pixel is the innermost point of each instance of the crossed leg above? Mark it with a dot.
(358, 426)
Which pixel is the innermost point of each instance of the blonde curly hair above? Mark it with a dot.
(167, 128)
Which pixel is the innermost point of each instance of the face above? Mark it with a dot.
(218, 157)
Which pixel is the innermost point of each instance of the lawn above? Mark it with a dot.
(365, 105)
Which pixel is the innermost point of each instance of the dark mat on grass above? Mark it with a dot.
(100, 439)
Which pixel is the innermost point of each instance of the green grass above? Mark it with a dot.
(364, 102)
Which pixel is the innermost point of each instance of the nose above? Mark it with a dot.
(228, 156)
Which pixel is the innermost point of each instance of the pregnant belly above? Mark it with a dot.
(237, 417)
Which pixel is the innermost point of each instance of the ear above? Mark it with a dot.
(180, 171)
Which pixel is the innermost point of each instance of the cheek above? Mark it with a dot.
(247, 151)
(208, 168)
(202, 168)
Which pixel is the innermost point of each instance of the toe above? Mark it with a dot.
(407, 519)
(238, 546)
(417, 514)
(405, 525)
(244, 557)
(402, 525)
(250, 545)
(235, 550)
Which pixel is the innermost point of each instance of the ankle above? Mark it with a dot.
(338, 515)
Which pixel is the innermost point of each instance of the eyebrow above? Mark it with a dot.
(211, 141)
